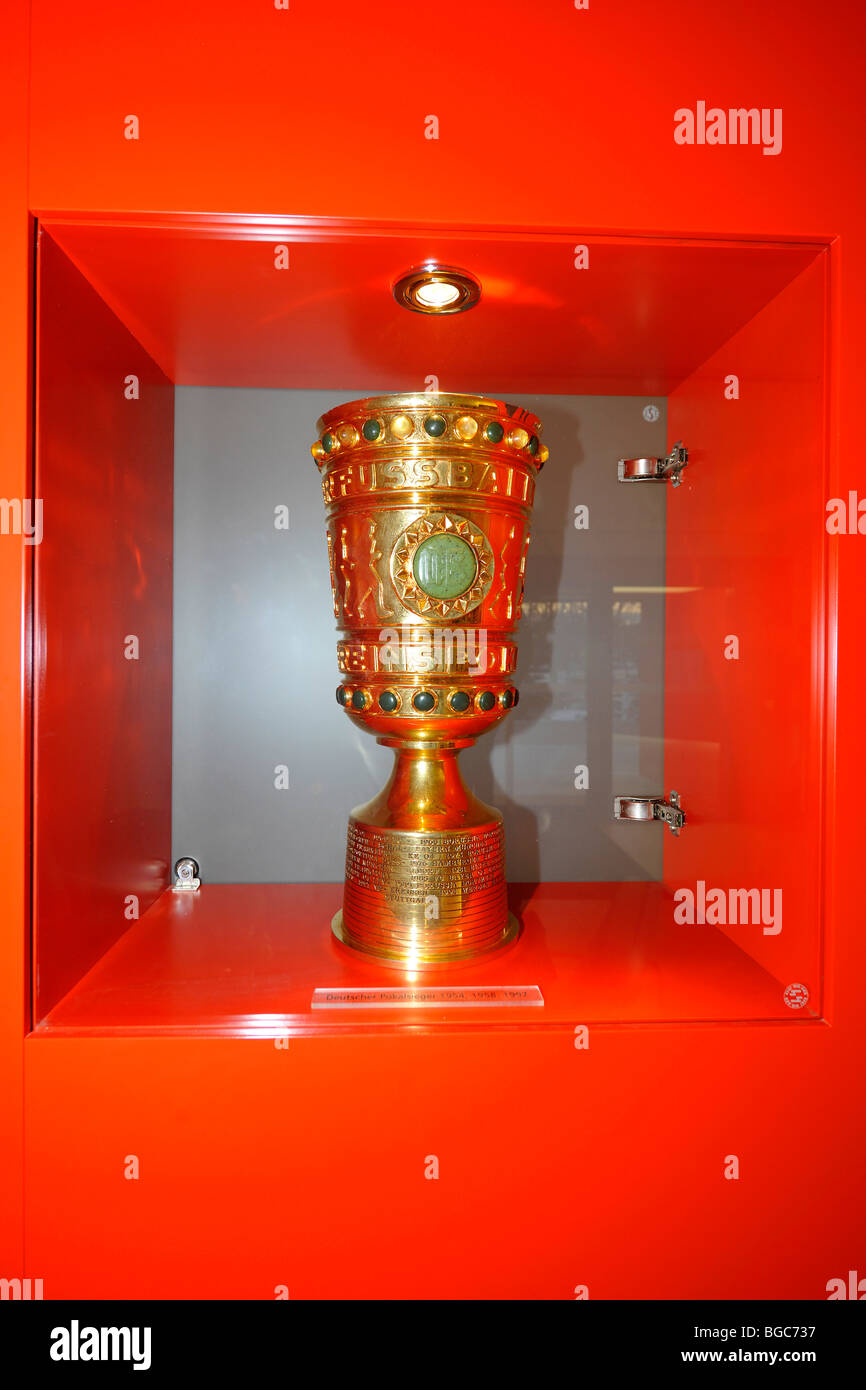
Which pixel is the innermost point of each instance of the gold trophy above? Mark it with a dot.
(428, 499)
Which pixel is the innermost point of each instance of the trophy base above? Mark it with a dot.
(425, 869)
(398, 958)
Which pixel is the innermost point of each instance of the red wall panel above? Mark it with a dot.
(610, 1160)
(745, 548)
(547, 114)
(15, 564)
(261, 1166)
(102, 736)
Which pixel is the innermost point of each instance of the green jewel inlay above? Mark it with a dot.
(444, 566)
(494, 432)
(435, 425)
(371, 429)
(327, 442)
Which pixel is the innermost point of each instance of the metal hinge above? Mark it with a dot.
(651, 808)
(654, 470)
(186, 876)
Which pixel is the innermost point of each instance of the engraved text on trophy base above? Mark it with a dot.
(407, 869)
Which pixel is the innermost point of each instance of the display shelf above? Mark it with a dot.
(243, 960)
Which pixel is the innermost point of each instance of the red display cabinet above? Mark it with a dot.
(727, 915)
(189, 1124)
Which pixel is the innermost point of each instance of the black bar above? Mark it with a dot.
(225, 1338)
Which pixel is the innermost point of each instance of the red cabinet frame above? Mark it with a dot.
(307, 1163)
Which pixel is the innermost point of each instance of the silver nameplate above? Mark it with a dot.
(430, 997)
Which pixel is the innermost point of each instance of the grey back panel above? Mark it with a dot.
(255, 661)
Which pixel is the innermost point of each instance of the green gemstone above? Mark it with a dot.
(371, 429)
(388, 701)
(460, 701)
(435, 425)
(424, 701)
(327, 442)
(444, 566)
(533, 444)
(358, 701)
(494, 432)
(342, 695)
(487, 700)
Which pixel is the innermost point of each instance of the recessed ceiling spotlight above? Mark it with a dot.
(437, 289)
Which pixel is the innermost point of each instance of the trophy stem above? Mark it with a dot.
(425, 867)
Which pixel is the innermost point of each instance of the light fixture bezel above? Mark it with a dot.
(432, 273)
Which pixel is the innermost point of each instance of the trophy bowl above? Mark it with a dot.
(428, 500)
